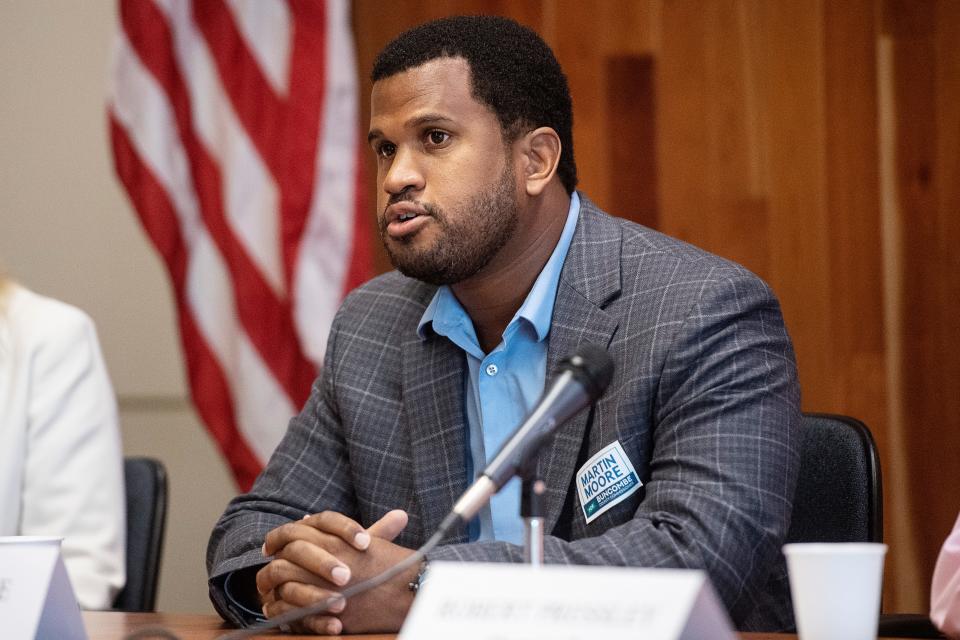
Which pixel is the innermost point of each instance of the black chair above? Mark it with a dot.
(840, 499)
(146, 484)
(839, 492)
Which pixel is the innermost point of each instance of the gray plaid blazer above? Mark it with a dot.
(704, 401)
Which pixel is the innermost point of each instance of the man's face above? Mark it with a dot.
(447, 193)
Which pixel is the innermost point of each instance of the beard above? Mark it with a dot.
(469, 235)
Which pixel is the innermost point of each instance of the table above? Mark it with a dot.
(112, 625)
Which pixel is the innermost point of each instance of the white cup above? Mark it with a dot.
(836, 589)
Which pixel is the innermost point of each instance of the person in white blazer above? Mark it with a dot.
(61, 461)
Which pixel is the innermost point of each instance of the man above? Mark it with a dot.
(506, 269)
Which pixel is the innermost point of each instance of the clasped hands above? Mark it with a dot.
(324, 552)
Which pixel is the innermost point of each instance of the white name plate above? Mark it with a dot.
(36, 598)
(472, 601)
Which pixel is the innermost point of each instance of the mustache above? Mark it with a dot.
(406, 196)
(403, 196)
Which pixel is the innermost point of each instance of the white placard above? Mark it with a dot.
(36, 597)
(473, 601)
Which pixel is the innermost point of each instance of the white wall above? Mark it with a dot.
(67, 230)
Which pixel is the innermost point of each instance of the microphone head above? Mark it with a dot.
(592, 367)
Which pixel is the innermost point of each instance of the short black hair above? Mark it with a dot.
(512, 71)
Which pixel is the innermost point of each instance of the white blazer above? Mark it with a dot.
(61, 462)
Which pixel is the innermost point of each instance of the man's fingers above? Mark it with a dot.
(308, 595)
(275, 573)
(320, 623)
(279, 607)
(323, 562)
(390, 525)
(321, 571)
(307, 542)
(283, 535)
(337, 524)
(324, 625)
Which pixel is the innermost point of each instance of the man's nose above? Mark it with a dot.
(404, 174)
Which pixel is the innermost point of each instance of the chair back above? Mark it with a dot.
(146, 486)
(839, 493)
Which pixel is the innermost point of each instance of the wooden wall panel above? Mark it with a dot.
(853, 204)
(948, 177)
(582, 59)
(927, 120)
(712, 183)
(586, 36)
(856, 268)
(790, 78)
(632, 175)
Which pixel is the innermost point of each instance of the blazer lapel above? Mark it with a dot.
(590, 278)
(433, 379)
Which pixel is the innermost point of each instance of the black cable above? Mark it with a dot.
(361, 587)
(295, 615)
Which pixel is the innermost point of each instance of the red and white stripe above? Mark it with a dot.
(235, 132)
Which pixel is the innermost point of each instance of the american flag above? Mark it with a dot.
(235, 132)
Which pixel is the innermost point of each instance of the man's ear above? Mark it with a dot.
(540, 150)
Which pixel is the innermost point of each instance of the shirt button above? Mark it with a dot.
(492, 369)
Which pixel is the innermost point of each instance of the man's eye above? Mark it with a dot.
(386, 149)
(438, 137)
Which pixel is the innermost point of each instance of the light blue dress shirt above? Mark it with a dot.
(503, 386)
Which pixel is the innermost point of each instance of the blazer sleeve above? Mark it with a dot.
(725, 453)
(308, 472)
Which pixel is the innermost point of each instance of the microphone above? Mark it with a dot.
(582, 379)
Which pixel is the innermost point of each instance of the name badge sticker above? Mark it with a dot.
(606, 480)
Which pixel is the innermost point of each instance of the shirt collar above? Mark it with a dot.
(537, 308)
